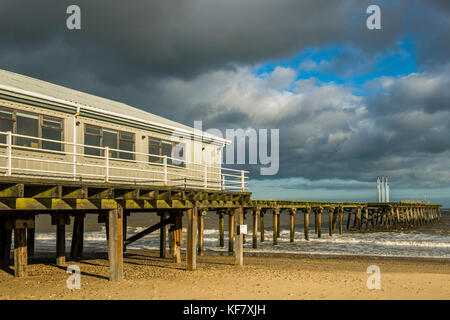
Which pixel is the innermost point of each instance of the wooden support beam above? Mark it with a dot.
(221, 230)
(319, 222)
(256, 213)
(20, 252)
(191, 259)
(330, 221)
(175, 235)
(349, 218)
(341, 220)
(292, 224)
(244, 222)
(335, 218)
(124, 229)
(76, 249)
(278, 224)
(306, 222)
(147, 231)
(316, 222)
(366, 213)
(115, 243)
(239, 255)
(275, 213)
(201, 227)
(358, 218)
(230, 232)
(60, 244)
(60, 220)
(163, 236)
(178, 235)
(261, 220)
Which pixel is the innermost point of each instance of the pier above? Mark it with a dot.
(22, 199)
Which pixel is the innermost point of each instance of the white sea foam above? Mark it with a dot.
(383, 244)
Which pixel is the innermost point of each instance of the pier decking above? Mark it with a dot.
(21, 199)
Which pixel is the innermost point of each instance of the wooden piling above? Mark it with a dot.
(256, 213)
(61, 244)
(306, 222)
(275, 213)
(20, 252)
(191, 259)
(244, 222)
(358, 218)
(171, 240)
(319, 222)
(292, 224)
(176, 235)
(261, 220)
(115, 243)
(316, 222)
(341, 220)
(76, 249)
(278, 224)
(239, 256)
(349, 218)
(330, 221)
(201, 227)
(366, 214)
(124, 229)
(163, 237)
(221, 230)
(335, 218)
(60, 221)
(230, 232)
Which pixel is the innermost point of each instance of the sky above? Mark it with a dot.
(350, 103)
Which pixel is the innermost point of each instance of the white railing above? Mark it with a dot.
(20, 160)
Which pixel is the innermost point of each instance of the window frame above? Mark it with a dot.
(119, 139)
(160, 159)
(41, 125)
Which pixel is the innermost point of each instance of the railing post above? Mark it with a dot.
(165, 170)
(242, 180)
(74, 161)
(107, 164)
(206, 177)
(9, 152)
(223, 182)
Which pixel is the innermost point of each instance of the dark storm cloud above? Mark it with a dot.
(186, 38)
(186, 60)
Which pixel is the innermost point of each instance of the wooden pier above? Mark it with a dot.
(21, 199)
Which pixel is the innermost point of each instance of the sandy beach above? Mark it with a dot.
(263, 277)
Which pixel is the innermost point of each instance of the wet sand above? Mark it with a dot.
(263, 277)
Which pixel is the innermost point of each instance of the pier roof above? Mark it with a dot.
(42, 90)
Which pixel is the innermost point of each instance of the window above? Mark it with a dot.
(52, 129)
(96, 136)
(110, 140)
(166, 148)
(126, 143)
(28, 125)
(6, 123)
(34, 125)
(92, 137)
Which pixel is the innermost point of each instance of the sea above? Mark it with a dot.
(429, 241)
